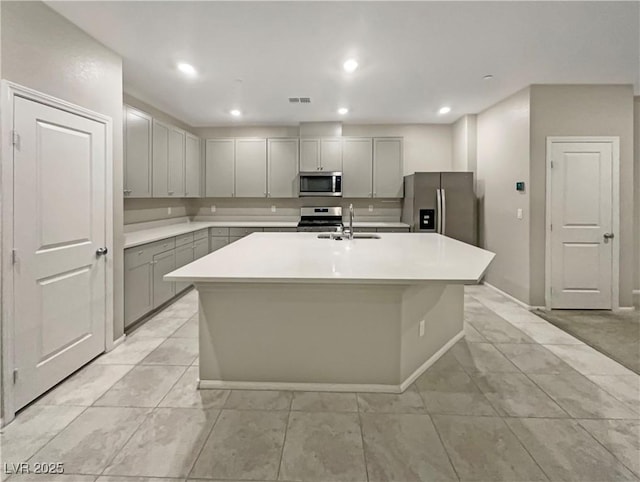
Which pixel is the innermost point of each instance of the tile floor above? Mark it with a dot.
(517, 399)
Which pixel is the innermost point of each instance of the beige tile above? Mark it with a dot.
(130, 352)
(499, 331)
(144, 386)
(324, 402)
(403, 447)
(165, 445)
(514, 395)
(162, 325)
(565, 451)
(86, 386)
(481, 357)
(53, 478)
(92, 439)
(452, 392)
(33, 428)
(407, 402)
(625, 388)
(244, 444)
(258, 400)
(533, 358)
(484, 449)
(580, 397)
(545, 333)
(185, 393)
(173, 351)
(620, 437)
(588, 361)
(189, 329)
(323, 447)
(111, 478)
(472, 335)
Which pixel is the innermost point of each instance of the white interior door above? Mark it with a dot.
(59, 225)
(581, 225)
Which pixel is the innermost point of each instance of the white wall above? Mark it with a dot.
(581, 110)
(44, 51)
(464, 144)
(636, 175)
(503, 159)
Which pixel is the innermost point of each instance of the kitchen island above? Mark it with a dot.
(294, 311)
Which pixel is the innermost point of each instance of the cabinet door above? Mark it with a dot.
(160, 159)
(357, 167)
(217, 242)
(192, 166)
(309, 154)
(138, 292)
(137, 153)
(184, 256)
(200, 248)
(282, 162)
(163, 263)
(219, 167)
(176, 162)
(331, 155)
(251, 168)
(387, 167)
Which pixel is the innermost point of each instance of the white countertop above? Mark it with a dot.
(144, 236)
(395, 258)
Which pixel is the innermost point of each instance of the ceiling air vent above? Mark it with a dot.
(300, 100)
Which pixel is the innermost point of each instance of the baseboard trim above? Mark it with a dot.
(512, 298)
(331, 387)
(118, 341)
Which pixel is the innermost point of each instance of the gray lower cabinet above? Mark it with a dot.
(163, 263)
(218, 242)
(138, 284)
(200, 248)
(184, 256)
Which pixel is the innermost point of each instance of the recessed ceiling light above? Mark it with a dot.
(343, 111)
(350, 65)
(488, 77)
(444, 110)
(235, 112)
(187, 69)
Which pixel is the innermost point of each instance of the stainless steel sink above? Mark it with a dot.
(339, 237)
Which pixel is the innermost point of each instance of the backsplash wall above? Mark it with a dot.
(156, 209)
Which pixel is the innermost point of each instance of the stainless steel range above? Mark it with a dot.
(320, 219)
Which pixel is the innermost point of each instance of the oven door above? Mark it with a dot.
(320, 184)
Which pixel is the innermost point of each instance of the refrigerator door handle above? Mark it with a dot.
(438, 212)
(443, 223)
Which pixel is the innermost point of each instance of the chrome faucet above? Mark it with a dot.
(350, 235)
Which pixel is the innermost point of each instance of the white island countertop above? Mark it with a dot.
(395, 258)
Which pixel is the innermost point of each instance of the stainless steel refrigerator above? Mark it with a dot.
(441, 202)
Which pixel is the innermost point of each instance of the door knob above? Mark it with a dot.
(608, 236)
(102, 251)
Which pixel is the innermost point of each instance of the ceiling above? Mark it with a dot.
(414, 57)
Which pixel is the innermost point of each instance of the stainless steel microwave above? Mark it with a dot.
(320, 183)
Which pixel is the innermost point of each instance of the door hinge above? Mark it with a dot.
(15, 139)
(15, 376)
(14, 256)
(551, 164)
(551, 228)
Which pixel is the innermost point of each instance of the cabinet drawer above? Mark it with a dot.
(239, 232)
(184, 239)
(218, 231)
(203, 233)
(280, 230)
(140, 255)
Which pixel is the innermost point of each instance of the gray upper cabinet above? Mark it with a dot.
(309, 154)
(137, 153)
(357, 167)
(282, 168)
(176, 166)
(192, 167)
(331, 154)
(387, 167)
(251, 168)
(321, 154)
(219, 168)
(160, 159)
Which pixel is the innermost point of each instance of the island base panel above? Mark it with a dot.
(324, 337)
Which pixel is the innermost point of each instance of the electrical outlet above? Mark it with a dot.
(422, 328)
(370, 208)
(169, 211)
(519, 213)
(213, 208)
(273, 209)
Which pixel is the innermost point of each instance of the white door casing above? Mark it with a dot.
(57, 192)
(582, 214)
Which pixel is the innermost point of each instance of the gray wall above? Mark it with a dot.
(636, 175)
(44, 51)
(581, 110)
(464, 149)
(503, 159)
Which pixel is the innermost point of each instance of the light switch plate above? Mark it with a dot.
(213, 209)
(370, 208)
(169, 211)
(519, 213)
(273, 209)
